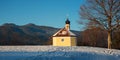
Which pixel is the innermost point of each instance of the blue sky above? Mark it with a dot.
(41, 12)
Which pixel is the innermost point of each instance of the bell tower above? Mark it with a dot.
(67, 24)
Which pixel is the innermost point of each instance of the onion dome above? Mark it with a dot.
(67, 21)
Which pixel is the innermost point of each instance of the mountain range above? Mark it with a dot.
(29, 34)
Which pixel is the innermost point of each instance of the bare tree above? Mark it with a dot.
(94, 37)
(102, 13)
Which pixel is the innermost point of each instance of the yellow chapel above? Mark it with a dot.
(64, 37)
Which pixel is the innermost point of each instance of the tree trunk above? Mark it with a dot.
(109, 40)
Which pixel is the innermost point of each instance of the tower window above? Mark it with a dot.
(62, 40)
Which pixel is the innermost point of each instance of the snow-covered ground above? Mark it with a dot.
(57, 53)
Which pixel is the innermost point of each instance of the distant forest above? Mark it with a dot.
(98, 37)
(103, 23)
(31, 34)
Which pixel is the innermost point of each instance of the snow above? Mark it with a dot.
(57, 53)
(71, 33)
(64, 32)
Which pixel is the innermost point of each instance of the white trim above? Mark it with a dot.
(57, 32)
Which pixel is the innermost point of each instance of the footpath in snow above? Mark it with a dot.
(57, 53)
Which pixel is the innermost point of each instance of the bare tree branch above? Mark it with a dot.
(102, 13)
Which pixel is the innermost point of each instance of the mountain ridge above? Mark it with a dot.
(29, 34)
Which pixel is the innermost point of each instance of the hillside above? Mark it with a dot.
(57, 53)
(29, 34)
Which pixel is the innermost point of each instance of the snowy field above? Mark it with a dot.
(57, 53)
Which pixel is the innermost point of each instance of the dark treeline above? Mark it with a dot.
(97, 37)
(30, 34)
(104, 14)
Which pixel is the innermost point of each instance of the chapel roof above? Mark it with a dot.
(64, 32)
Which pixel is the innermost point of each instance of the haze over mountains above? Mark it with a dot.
(29, 34)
